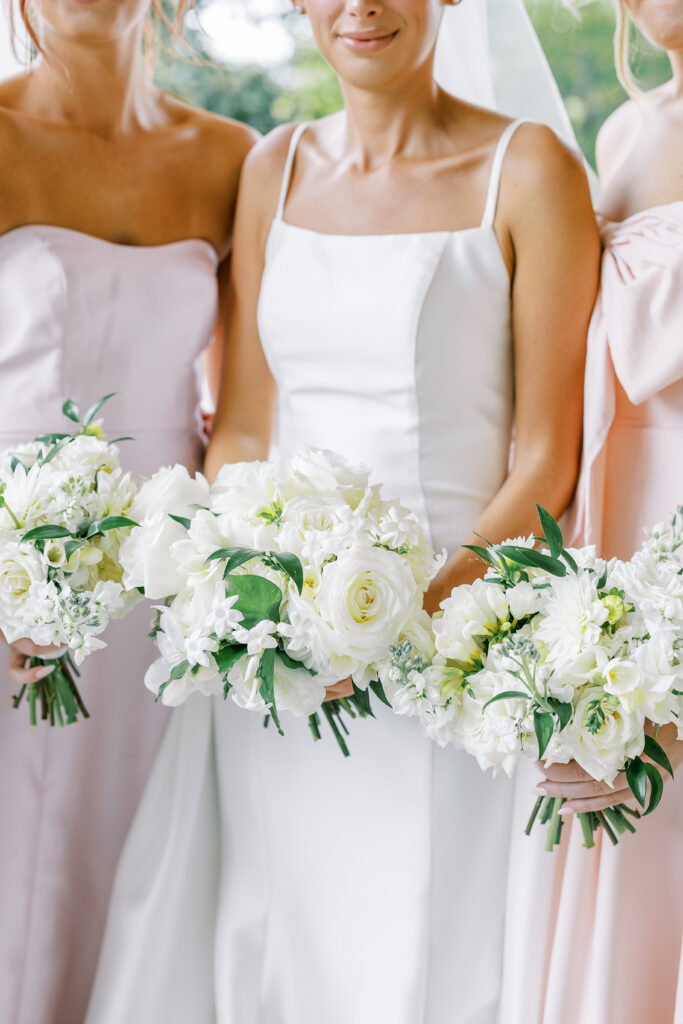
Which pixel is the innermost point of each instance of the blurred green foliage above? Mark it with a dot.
(579, 49)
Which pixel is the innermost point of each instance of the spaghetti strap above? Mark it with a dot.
(496, 173)
(289, 163)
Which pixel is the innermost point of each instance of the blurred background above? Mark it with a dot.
(255, 60)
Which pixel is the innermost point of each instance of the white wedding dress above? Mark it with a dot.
(268, 880)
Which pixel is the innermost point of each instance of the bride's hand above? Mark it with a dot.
(341, 689)
(20, 651)
(583, 793)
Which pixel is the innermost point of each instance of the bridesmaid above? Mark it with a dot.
(116, 207)
(615, 950)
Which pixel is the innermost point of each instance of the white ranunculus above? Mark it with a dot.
(20, 567)
(366, 597)
(170, 490)
(145, 557)
(296, 690)
(603, 734)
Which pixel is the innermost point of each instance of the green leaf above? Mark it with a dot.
(378, 691)
(177, 672)
(95, 408)
(656, 787)
(529, 556)
(603, 579)
(290, 565)
(362, 701)
(258, 599)
(109, 523)
(14, 461)
(71, 410)
(71, 546)
(552, 531)
(636, 776)
(570, 561)
(544, 728)
(562, 710)
(657, 754)
(228, 655)
(234, 557)
(49, 532)
(481, 553)
(266, 673)
(181, 519)
(293, 664)
(51, 438)
(506, 695)
(56, 449)
(118, 439)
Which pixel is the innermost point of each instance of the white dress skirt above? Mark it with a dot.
(268, 880)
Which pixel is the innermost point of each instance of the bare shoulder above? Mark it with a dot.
(220, 144)
(615, 137)
(541, 170)
(265, 164)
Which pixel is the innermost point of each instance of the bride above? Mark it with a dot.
(413, 282)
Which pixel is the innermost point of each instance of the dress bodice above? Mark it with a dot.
(396, 350)
(80, 317)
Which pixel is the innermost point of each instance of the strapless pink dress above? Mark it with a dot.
(606, 946)
(80, 317)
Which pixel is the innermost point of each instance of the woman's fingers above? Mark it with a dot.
(24, 676)
(566, 773)
(341, 689)
(598, 803)
(575, 790)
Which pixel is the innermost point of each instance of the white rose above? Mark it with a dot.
(366, 597)
(86, 454)
(171, 490)
(145, 557)
(20, 567)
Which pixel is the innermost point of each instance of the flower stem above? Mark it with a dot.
(330, 716)
(606, 825)
(534, 815)
(587, 827)
(555, 826)
(314, 726)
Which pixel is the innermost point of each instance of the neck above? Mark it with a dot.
(381, 124)
(101, 87)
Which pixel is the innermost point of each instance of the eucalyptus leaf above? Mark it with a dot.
(481, 553)
(562, 710)
(95, 408)
(109, 523)
(56, 449)
(49, 532)
(552, 531)
(181, 519)
(506, 695)
(544, 728)
(291, 565)
(71, 410)
(529, 556)
(51, 438)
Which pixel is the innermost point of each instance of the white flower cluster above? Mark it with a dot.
(281, 578)
(564, 655)
(63, 500)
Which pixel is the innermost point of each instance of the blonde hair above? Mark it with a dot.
(622, 50)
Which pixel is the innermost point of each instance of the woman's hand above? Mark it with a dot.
(583, 793)
(20, 652)
(341, 689)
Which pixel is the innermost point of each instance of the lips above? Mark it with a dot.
(368, 42)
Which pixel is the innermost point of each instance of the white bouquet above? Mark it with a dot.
(282, 578)
(558, 655)
(64, 502)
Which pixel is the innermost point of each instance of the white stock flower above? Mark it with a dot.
(258, 638)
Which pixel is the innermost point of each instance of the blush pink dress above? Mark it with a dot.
(80, 317)
(605, 947)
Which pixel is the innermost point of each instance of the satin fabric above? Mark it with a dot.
(81, 317)
(372, 890)
(599, 938)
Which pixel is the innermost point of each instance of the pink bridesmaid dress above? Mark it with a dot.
(607, 945)
(80, 317)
